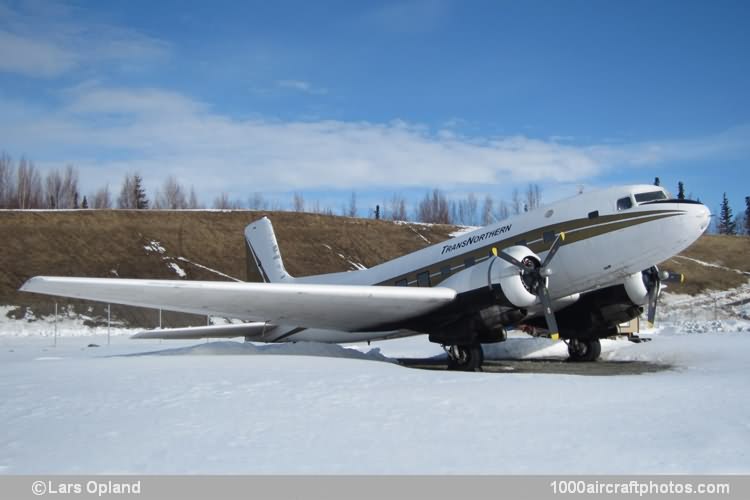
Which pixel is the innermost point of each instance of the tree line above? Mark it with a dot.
(726, 223)
(24, 186)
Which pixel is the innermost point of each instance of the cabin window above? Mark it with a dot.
(401, 282)
(445, 271)
(469, 261)
(652, 196)
(594, 214)
(624, 203)
(522, 243)
(423, 278)
(548, 236)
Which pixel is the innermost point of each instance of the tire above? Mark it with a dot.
(467, 358)
(584, 350)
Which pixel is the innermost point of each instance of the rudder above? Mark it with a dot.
(264, 250)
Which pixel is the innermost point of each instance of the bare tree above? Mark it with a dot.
(257, 202)
(53, 184)
(515, 203)
(7, 188)
(171, 196)
(502, 210)
(102, 198)
(127, 193)
(69, 195)
(533, 197)
(223, 202)
(488, 216)
(193, 200)
(472, 209)
(29, 192)
(61, 189)
(352, 210)
(434, 208)
(398, 207)
(298, 203)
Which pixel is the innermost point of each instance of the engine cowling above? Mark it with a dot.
(636, 289)
(503, 282)
(510, 280)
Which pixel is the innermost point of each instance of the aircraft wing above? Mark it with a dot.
(336, 307)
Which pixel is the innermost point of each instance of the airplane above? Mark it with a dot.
(573, 269)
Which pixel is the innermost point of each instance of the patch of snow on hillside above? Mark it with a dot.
(463, 230)
(709, 264)
(177, 269)
(154, 246)
(218, 273)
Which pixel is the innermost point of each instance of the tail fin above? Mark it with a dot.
(263, 248)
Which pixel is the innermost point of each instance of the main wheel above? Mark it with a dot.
(467, 358)
(584, 349)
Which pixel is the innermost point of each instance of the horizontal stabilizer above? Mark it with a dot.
(254, 330)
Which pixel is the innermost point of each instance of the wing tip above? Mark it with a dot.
(30, 284)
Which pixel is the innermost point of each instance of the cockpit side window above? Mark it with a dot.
(651, 196)
(624, 203)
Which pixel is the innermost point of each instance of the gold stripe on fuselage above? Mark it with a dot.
(575, 230)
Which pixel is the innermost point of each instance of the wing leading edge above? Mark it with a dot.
(337, 307)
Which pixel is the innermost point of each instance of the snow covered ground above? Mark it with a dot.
(226, 407)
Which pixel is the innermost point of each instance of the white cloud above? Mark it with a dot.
(108, 131)
(301, 86)
(35, 58)
(47, 40)
(411, 16)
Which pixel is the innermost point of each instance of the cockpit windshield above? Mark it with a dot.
(650, 196)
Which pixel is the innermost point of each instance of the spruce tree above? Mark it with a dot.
(747, 215)
(85, 202)
(141, 202)
(727, 224)
(680, 191)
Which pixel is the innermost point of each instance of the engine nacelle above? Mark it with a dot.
(636, 289)
(498, 277)
(510, 278)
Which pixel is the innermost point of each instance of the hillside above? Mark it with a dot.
(205, 245)
(209, 245)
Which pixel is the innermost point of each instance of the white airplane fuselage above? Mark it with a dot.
(610, 235)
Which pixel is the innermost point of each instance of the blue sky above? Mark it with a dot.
(326, 98)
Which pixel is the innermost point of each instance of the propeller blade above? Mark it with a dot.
(674, 278)
(653, 294)
(549, 314)
(553, 249)
(511, 260)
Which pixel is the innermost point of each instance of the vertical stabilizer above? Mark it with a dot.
(263, 248)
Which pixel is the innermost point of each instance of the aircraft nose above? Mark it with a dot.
(702, 216)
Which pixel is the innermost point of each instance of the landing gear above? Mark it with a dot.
(467, 358)
(584, 349)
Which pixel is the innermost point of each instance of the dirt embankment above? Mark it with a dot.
(205, 245)
(209, 245)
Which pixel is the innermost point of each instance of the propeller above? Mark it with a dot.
(654, 278)
(535, 275)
